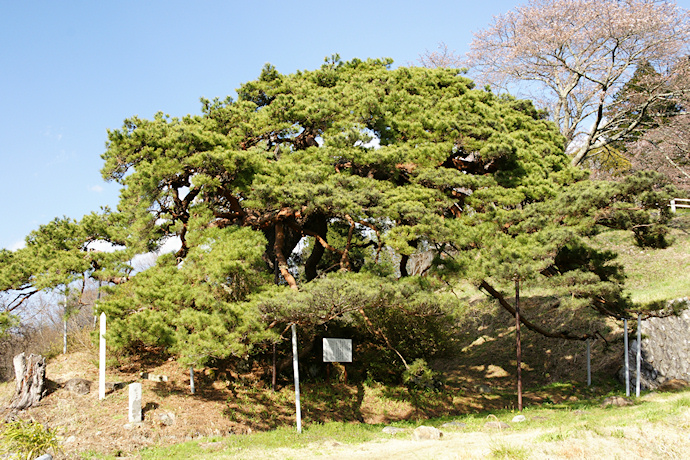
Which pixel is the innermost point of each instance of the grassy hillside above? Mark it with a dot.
(654, 274)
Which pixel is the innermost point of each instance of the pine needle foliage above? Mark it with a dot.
(353, 195)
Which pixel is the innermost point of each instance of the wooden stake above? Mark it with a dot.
(191, 379)
(639, 355)
(274, 368)
(101, 360)
(295, 368)
(627, 360)
(589, 364)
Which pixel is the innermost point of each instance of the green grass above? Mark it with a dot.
(652, 274)
(508, 451)
(243, 445)
(27, 440)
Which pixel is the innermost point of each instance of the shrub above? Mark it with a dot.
(651, 236)
(418, 375)
(28, 439)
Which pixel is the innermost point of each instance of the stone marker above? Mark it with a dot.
(519, 418)
(135, 402)
(425, 433)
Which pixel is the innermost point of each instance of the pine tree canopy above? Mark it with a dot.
(315, 197)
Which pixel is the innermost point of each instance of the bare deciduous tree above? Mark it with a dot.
(666, 146)
(443, 58)
(573, 56)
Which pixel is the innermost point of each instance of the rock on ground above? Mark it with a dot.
(425, 433)
(78, 386)
(617, 401)
(392, 430)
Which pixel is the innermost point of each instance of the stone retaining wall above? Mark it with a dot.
(665, 351)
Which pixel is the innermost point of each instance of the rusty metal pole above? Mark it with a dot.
(274, 368)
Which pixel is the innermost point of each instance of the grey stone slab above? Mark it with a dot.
(135, 414)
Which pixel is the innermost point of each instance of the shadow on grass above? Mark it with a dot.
(319, 402)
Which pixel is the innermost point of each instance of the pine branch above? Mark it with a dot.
(531, 326)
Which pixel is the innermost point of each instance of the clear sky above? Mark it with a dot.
(71, 70)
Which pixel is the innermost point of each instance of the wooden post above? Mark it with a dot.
(101, 361)
(64, 323)
(627, 361)
(295, 367)
(519, 347)
(589, 364)
(639, 354)
(673, 205)
(191, 379)
(64, 335)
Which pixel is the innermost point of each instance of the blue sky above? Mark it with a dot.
(71, 70)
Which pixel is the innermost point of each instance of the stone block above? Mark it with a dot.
(135, 403)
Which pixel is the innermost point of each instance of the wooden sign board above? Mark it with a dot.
(337, 350)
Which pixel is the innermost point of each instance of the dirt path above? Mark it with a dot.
(629, 442)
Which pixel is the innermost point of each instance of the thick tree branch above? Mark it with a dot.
(531, 326)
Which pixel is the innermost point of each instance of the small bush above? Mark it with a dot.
(651, 236)
(418, 375)
(27, 439)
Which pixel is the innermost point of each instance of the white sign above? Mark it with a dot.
(337, 350)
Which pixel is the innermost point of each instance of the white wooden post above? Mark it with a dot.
(64, 335)
(673, 205)
(191, 379)
(627, 363)
(639, 354)
(64, 323)
(101, 361)
(589, 365)
(295, 367)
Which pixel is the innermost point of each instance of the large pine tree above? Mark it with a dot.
(314, 196)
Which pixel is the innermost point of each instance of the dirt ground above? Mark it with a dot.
(634, 444)
(87, 426)
(224, 404)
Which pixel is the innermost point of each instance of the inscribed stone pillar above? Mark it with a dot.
(135, 402)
